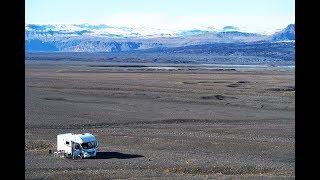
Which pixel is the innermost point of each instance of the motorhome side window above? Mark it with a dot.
(77, 146)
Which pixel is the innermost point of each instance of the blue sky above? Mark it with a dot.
(253, 15)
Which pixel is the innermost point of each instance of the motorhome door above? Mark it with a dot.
(76, 150)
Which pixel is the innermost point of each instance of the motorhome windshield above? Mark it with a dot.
(89, 145)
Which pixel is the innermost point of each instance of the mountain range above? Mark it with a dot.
(105, 38)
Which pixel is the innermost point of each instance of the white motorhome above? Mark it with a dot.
(77, 145)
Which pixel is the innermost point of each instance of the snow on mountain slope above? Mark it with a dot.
(287, 34)
(105, 38)
(95, 30)
(103, 30)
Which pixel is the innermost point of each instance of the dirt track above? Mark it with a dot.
(184, 124)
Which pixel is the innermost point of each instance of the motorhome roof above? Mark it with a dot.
(80, 138)
(87, 137)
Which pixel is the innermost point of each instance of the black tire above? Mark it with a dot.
(81, 156)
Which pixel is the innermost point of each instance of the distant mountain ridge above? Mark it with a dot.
(105, 38)
(287, 34)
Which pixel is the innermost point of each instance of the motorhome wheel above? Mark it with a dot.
(81, 156)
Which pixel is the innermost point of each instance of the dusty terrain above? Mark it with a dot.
(162, 124)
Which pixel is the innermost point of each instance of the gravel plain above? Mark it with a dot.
(161, 123)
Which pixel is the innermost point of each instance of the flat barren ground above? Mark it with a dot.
(162, 124)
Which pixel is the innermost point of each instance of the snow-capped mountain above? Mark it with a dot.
(101, 30)
(105, 38)
(287, 34)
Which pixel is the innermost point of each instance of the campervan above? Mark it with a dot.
(77, 145)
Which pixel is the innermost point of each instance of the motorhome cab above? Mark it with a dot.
(77, 145)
